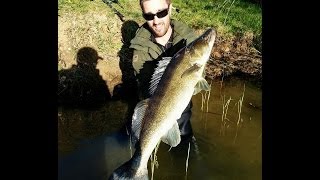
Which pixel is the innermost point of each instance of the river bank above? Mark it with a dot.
(236, 57)
(93, 53)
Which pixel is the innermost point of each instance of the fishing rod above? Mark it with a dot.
(109, 3)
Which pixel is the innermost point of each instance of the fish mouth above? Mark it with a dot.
(209, 35)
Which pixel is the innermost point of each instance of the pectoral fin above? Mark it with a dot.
(137, 117)
(201, 85)
(195, 67)
(172, 137)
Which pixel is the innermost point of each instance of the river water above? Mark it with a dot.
(227, 125)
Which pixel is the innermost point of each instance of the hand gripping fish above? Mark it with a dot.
(173, 84)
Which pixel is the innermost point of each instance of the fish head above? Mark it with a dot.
(200, 49)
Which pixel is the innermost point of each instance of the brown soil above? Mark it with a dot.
(235, 57)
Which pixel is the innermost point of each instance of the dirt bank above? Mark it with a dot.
(237, 56)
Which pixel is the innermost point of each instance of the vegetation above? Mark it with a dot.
(230, 17)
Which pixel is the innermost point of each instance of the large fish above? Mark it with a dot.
(173, 84)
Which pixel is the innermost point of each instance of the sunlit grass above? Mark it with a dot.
(227, 16)
(80, 6)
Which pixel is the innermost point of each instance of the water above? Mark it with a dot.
(228, 138)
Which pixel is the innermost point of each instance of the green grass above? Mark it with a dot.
(229, 17)
(74, 5)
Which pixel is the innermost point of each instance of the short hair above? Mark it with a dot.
(142, 1)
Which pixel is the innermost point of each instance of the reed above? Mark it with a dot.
(130, 141)
(205, 99)
(239, 114)
(187, 162)
(224, 119)
(154, 161)
(209, 97)
(202, 101)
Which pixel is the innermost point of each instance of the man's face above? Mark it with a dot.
(158, 25)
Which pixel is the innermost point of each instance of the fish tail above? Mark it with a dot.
(131, 170)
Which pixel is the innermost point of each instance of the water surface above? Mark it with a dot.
(227, 130)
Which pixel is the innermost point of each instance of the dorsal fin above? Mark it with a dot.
(158, 72)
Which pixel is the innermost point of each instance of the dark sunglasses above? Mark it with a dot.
(160, 14)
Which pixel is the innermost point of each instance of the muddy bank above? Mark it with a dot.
(236, 57)
(91, 80)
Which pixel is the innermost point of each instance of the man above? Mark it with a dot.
(159, 37)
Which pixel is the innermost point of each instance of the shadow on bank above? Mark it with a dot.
(96, 154)
(87, 135)
(82, 85)
(127, 90)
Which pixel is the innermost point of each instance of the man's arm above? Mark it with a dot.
(143, 66)
(138, 59)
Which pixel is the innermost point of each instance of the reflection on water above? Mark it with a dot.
(227, 128)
